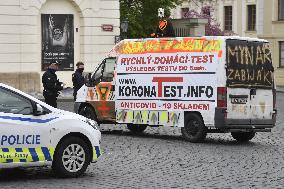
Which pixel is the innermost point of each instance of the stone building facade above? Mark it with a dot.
(248, 18)
(95, 23)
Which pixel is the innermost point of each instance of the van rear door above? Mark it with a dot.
(262, 107)
(250, 83)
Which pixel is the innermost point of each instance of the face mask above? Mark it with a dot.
(52, 70)
(81, 69)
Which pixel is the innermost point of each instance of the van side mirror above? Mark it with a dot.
(88, 79)
(38, 110)
(98, 78)
(89, 76)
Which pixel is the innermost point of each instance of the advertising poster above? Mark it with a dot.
(167, 83)
(58, 40)
(159, 82)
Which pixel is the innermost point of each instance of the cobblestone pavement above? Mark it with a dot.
(160, 158)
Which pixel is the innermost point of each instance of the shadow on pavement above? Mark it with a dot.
(13, 174)
(34, 173)
(208, 141)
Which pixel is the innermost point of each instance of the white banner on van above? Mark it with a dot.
(187, 87)
(180, 62)
(157, 88)
(183, 92)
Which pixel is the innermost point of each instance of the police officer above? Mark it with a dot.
(78, 79)
(51, 85)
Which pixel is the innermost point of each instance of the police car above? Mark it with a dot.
(33, 133)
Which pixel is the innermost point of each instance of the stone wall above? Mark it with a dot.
(21, 42)
(27, 82)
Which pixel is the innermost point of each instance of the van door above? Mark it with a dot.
(104, 104)
(238, 106)
(262, 99)
(250, 83)
(262, 107)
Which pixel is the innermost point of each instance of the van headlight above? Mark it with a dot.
(92, 123)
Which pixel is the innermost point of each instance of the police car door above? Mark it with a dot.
(23, 136)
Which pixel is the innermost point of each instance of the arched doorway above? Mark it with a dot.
(64, 38)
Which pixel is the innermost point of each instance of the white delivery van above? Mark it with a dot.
(33, 133)
(203, 85)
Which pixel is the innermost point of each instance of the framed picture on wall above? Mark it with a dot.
(57, 40)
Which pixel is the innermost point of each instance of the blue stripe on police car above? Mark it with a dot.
(28, 119)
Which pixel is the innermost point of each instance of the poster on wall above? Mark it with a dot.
(57, 40)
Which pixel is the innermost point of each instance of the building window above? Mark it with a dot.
(251, 17)
(281, 54)
(206, 10)
(184, 12)
(280, 9)
(228, 18)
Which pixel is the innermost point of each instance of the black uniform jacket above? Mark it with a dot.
(78, 80)
(51, 84)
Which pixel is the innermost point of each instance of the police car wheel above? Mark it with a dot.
(136, 128)
(194, 129)
(71, 158)
(243, 136)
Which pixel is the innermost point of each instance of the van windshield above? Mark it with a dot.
(110, 65)
(249, 64)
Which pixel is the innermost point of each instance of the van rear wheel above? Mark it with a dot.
(194, 129)
(136, 128)
(243, 136)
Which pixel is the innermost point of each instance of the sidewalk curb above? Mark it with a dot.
(61, 99)
(279, 91)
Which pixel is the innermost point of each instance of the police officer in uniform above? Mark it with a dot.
(51, 85)
(78, 79)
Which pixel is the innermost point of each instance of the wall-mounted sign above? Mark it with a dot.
(107, 27)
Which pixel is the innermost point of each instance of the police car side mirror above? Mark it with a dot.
(38, 110)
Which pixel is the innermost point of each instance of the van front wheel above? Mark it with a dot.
(194, 129)
(243, 136)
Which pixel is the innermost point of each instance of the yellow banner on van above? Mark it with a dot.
(164, 45)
